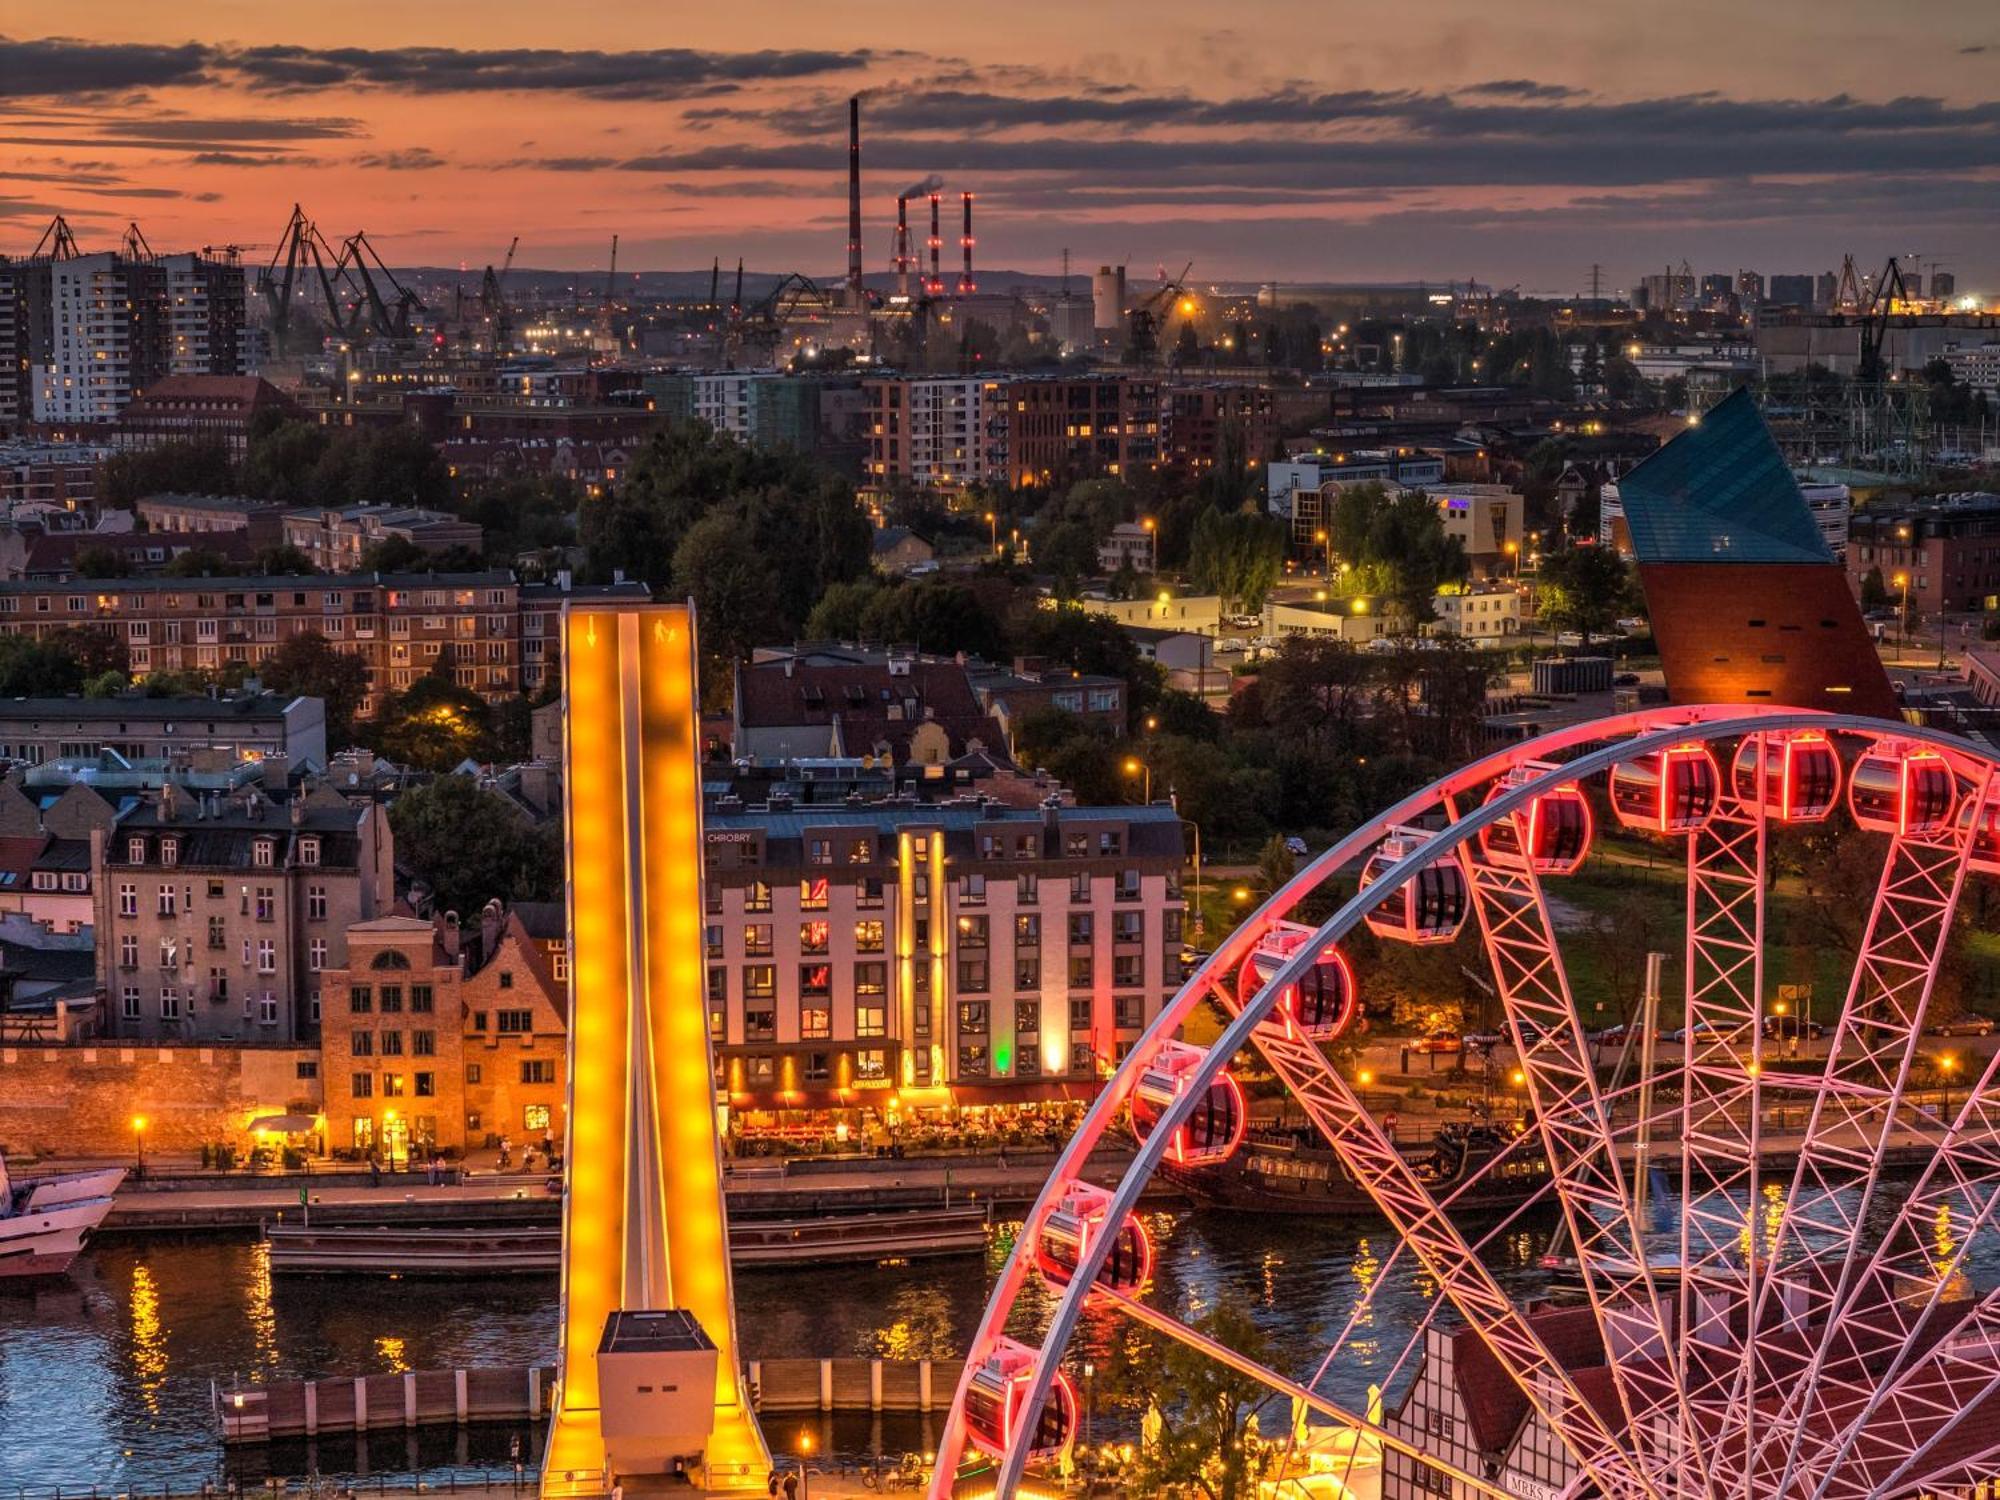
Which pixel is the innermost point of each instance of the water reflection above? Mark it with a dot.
(149, 1339)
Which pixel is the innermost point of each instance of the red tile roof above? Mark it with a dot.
(869, 704)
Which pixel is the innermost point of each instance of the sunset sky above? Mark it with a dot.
(1514, 140)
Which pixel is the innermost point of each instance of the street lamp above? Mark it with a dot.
(993, 531)
(1152, 543)
(1903, 612)
(1514, 551)
(1137, 767)
(1089, 1392)
(1326, 554)
(139, 1143)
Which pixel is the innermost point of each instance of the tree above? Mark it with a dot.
(721, 567)
(95, 560)
(394, 554)
(471, 846)
(1581, 589)
(1068, 551)
(433, 726)
(1198, 1407)
(309, 665)
(200, 467)
(1275, 864)
(32, 667)
(198, 562)
(1238, 555)
(1408, 546)
(283, 560)
(1874, 591)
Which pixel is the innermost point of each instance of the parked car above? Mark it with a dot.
(1962, 1026)
(1614, 1036)
(1792, 1026)
(1439, 1044)
(1231, 643)
(1702, 1031)
(1626, 679)
(1295, 845)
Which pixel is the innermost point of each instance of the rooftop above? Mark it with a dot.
(1721, 492)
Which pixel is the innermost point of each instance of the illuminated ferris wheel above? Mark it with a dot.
(1794, 1314)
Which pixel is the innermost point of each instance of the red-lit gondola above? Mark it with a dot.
(1320, 1006)
(1900, 788)
(1075, 1224)
(1430, 906)
(1666, 791)
(1213, 1128)
(1554, 828)
(996, 1395)
(1984, 821)
(1801, 775)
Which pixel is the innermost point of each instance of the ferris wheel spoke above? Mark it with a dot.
(1875, 1318)
(1574, 1127)
(1850, 1129)
(1721, 1106)
(1381, 1171)
(1162, 1322)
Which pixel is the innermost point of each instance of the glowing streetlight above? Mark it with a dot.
(139, 1142)
(993, 531)
(1137, 767)
(1241, 893)
(1152, 528)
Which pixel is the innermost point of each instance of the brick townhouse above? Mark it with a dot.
(433, 1039)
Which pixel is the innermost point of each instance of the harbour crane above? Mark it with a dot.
(1151, 315)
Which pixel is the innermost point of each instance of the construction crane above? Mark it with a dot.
(56, 243)
(1883, 302)
(493, 298)
(1151, 315)
(386, 321)
(301, 245)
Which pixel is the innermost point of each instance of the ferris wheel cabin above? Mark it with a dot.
(1666, 791)
(995, 1398)
(1430, 906)
(1215, 1125)
(1801, 776)
(1551, 835)
(1321, 1005)
(1902, 789)
(1076, 1223)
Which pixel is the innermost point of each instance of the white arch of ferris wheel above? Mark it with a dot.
(1620, 737)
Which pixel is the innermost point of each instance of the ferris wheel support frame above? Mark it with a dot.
(1620, 737)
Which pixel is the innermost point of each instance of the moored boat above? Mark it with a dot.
(44, 1221)
(1294, 1171)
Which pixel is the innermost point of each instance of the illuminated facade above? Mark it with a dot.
(983, 954)
(644, 1225)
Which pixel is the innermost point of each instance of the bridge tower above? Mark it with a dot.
(650, 1385)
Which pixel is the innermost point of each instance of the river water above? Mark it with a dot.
(105, 1376)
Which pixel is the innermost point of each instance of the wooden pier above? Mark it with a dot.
(370, 1403)
(521, 1393)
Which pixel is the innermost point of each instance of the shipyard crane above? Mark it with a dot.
(56, 243)
(301, 245)
(493, 298)
(1882, 303)
(386, 319)
(134, 245)
(1151, 314)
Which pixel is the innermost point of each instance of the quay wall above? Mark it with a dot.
(81, 1100)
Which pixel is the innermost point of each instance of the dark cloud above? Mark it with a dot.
(55, 67)
(240, 159)
(58, 67)
(1973, 51)
(1524, 88)
(187, 129)
(413, 159)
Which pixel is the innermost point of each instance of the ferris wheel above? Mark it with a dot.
(1805, 1323)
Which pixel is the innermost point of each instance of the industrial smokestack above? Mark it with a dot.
(935, 285)
(966, 285)
(855, 295)
(902, 256)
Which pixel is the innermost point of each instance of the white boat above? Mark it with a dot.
(45, 1220)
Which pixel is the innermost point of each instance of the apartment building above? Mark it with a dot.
(241, 726)
(432, 1040)
(336, 538)
(261, 522)
(195, 407)
(953, 954)
(1060, 429)
(936, 432)
(493, 634)
(1197, 422)
(104, 327)
(218, 916)
(1944, 552)
(58, 474)
(1484, 612)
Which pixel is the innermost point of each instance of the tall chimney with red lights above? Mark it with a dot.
(966, 285)
(935, 286)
